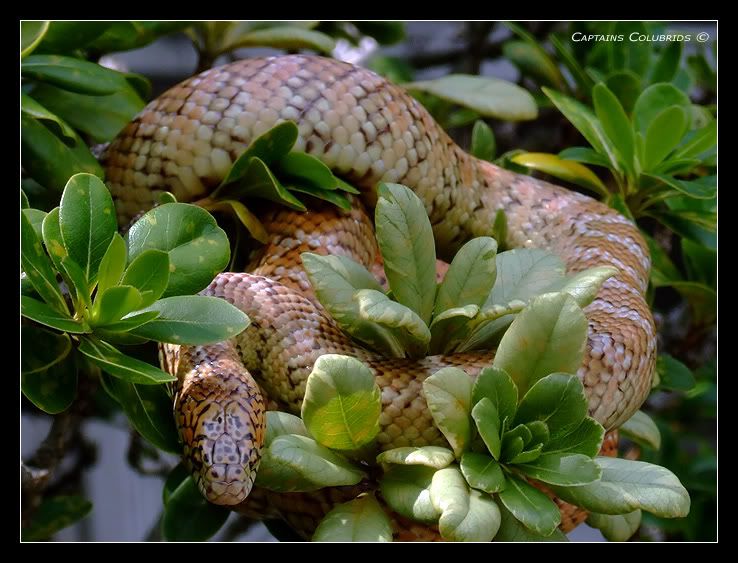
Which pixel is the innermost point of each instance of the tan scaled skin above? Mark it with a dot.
(367, 130)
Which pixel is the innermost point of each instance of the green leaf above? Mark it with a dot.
(307, 167)
(76, 278)
(259, 181)
(247, 218)
(337, 199)
(342, 403)
(697, 142)
(32, 32)
(33, 108)
(54, 514)
(482, 472)
(530, 506)
(87, 222)
(619, 527)
(626, 85)
(395, 69)
(285, 37)
(654, 100)
(628, 485)
(129, 322)
(615, 124)
(526, 455)
(193, 319)
(633, 55)
(117, 364)
(586, 439)
(558, 400)
(477, 522)
(406, 489)
(53, 238)
(198, 249)
(702, 188)
(114, 304)
(483, 145)
(586, 123)
(359, 520)
(488, 423)
(524, 273)
(175, 478)
(430, 456)
(48, 370)
(36, 218)
(448, 393)
(335, 280)
(73, 74)
(663, 135)
(642, 429)
(112, 265)
(538, 431)
(511, 530)
(562, 469)
(450, 328)
(410, 334)
(585, 155)
(385, 32)
(48, 160)
(548, 336)
(65, 36)
(562, 48)
(667, 64)
(149, 410)
(101, 117)
(673, 374)
(149, 274)
(295, 463)
(567, 170)
(125, 35)
(496, 385)
(533, 61)
(490, 97)
(280, 423)
(584, 286)
(42, 313)
(405, 240)
(38, 268)
(470, 276)
(189, 517)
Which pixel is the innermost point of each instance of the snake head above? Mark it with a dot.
(221, 420)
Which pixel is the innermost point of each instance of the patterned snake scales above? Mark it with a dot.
(366, 130)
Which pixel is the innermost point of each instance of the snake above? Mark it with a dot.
(366, 130)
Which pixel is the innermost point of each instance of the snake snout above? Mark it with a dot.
(220, 415)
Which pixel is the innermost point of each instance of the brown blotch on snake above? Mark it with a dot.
(367, 130)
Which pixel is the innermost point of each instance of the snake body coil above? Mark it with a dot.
(367, 130)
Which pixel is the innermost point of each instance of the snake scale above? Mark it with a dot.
(366, 130)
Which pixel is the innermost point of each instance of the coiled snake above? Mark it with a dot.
(367, 130)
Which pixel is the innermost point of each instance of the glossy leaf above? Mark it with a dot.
(406, 489)
(285, 37)
(193, 319)
(38, 267)
(342, 403)
(405, 240)
(673, 374)
(113, 264)
(530, 506)
(628, 485)
(642, 429)
(33, 108)
(360, 520)
(117, 364)
(198, 249)
(619, 527)
(496, 385)
(615, 124)
(87, 222)
(654, 100)
(430, 456)
(512, 530)
(75, 75)
(149, 274)
(297, 463)
(490, 97)
(663, 135)
(48, 370)
(114, 304)
(548, 336)
(558, 469)
(31, 34)
(483, 144)
(558, 400)
(448, 393)
(45, 315)
(567, 170)
(482, 472)
(488, 423)
(586, 439)
(470, 277)
(281, 423)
